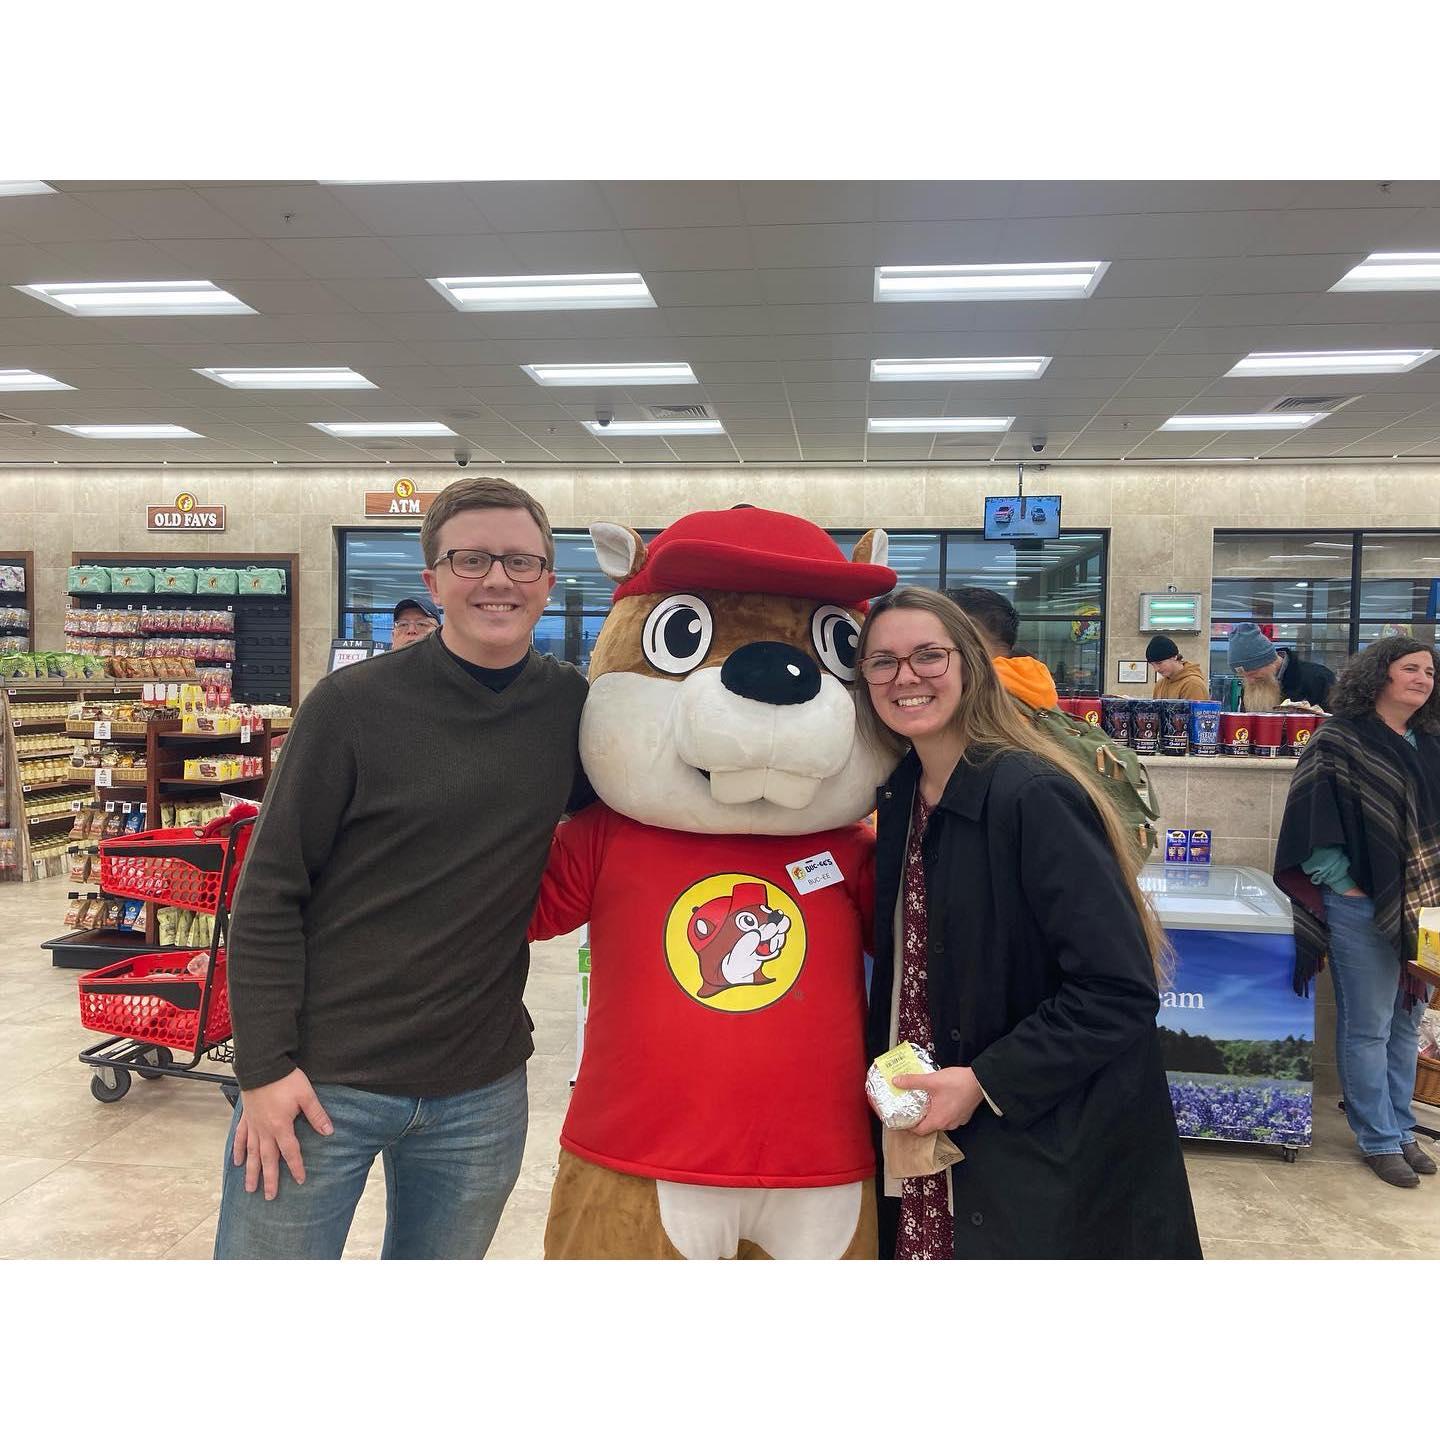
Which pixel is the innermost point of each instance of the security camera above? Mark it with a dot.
(462, 456)
(1037, 443)
(603, 417)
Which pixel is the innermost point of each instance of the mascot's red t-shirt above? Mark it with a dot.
(725, 1038)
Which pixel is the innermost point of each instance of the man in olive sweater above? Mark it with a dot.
(377, 957)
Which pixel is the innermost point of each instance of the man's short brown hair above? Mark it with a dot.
(483, 492)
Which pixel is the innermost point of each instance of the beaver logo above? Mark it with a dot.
(734, 943)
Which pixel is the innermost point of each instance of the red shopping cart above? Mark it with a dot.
(149, 1006)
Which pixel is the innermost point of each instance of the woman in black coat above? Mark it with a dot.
(1012, 941)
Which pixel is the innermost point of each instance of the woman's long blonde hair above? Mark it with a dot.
(988, 718)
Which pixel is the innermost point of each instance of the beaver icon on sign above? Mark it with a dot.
(733, 936)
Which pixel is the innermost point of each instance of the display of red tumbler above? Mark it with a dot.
(1234, 732)
(1299, 727)
(1087, 708)
(1267, 735)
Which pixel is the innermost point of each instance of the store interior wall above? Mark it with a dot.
(1161, 518)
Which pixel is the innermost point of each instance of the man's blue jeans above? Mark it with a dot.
(1376, 1039)
(450, 1165)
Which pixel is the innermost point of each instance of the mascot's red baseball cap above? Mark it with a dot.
(745, 896)
(756, 552)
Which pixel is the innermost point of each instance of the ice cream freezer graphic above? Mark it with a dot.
(1237, 1040)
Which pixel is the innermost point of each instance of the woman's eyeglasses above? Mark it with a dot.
(475, 564)
(925, 664)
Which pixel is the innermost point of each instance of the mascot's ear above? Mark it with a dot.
(873, 549)
(621, 552)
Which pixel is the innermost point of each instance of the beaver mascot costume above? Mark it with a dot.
(727, 878)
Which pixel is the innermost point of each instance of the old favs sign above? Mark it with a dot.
(184, 514)
(404, 499)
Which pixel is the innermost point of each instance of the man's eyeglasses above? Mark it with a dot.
(475, 564)
(925, 663)
(418, 626)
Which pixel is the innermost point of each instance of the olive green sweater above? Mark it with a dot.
(379, 929)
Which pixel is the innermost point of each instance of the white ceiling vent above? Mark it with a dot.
(680, 412)
(1326, 404)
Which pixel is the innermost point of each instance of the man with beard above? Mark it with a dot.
(1270, 675)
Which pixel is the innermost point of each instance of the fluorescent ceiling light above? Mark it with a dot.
(314, 377)
(939, 424)
(654, 427)
(1053, 280)
(30, 380)
(1331, 362)
(1400, 270)
(1275, 420)
(638, 373)
(129, 432)
(25, 187)
(626, 291)
(363, 429)
(964, 367)
(139, 297)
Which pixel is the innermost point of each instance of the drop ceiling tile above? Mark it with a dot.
(721, 320)
(820, 319)
(902, 200)
(579, 252)
(678, 288)
(660, 205)
(222, 260)
(777, 247)
(692, 248)
(289, 297)
(1328, 232)
(347, 258)
(412, 209)
(42, 218)
(937, 242)
(434, 256)
(540, 205)
(26, 265)
(835, 285)
(801, 202)
(410, 296)
(108, 260)
(295, 211)
(165, 214)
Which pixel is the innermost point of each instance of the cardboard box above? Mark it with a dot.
(1427, 950)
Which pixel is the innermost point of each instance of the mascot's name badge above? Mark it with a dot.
(815, 872)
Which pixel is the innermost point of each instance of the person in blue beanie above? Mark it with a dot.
(1271, 675)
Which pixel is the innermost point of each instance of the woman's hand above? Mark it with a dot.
(955, 1095)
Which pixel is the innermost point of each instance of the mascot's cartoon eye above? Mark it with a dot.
(837, 638)
(747, 922)
(677, 634)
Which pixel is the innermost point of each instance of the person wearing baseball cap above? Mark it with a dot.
(1272, 674)
(1180, 679)
(415, 618)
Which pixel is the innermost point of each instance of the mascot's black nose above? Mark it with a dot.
(772, 673)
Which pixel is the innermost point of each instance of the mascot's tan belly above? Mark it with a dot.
(719, 1109)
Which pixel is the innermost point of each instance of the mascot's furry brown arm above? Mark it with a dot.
(728, 884)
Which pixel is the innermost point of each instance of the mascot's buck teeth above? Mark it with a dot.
(780, 787)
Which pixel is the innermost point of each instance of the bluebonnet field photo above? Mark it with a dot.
(1237, 1039)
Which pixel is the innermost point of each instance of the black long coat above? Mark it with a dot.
(1039, 979)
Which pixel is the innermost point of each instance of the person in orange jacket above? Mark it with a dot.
(1180, 679)
(1025, 677)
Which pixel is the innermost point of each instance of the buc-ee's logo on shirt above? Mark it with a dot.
(734, 943)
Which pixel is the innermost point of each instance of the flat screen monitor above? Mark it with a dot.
(1022, 517)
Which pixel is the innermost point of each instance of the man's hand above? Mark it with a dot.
(955, 1095)
(266, 1131)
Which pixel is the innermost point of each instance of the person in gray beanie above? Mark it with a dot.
(1270, 674)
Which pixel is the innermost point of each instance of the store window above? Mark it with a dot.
(1326, 594)
(1058, 586)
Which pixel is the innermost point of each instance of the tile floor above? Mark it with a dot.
(140, 1178)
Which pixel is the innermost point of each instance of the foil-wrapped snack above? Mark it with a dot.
(899, 1109)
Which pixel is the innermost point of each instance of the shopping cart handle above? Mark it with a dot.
(182, 994)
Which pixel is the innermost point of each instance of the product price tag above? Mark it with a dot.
(77, 804)
(126, 806)
(110, 806)
(102, 782)
(102, 729)
(244, 734)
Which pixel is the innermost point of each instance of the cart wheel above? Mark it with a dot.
(159, 1056)
(232, 1094)
(1290, 1153)
(108, 1094)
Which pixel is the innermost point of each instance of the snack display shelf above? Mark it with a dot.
(123, 779)
(46, 754)
(45, 785)
(212, 784)
(28, 725)
(119, 729)
(63, 817)
(92, 949)
(106, 688)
